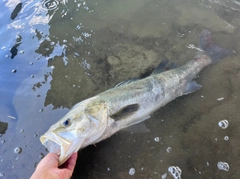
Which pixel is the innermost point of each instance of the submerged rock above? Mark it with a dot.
(3, 127)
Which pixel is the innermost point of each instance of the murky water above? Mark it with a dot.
(56, 53)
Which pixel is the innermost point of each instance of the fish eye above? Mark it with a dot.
(66, 122)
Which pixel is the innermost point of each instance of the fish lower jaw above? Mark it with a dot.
(54, 144)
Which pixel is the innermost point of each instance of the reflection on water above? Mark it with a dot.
(56, 53)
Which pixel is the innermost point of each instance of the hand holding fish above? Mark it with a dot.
(48, 167)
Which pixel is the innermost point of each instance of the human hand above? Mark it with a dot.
(48, 168)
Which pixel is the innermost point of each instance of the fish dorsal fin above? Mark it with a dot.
(125, 111)
(164, 66)
(126, 82)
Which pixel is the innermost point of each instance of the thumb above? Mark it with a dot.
(50, 160)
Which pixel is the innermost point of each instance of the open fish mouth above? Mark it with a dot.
(53, 147)
(56, 144)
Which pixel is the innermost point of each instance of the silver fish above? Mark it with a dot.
(130, 102)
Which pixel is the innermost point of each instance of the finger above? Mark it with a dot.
(71, 162)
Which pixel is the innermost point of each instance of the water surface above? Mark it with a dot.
(56, 53)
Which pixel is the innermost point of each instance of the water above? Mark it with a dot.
(57, 53)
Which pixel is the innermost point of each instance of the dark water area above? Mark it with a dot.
(53, 54)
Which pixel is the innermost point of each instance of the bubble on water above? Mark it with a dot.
(22, 52)
(52, 43)
(18, 150)
(175, 171)
(2, 174)
(86, 35)
(31, 63)
(52, 67)
(32, 76)
(64, 41)
(131, 171)
(223, 124)
(7, 56)
(3, 141)
(169, 149)
(40, 110)
(41, 156)
(50, 4)
(164, 176)
(85, 7)
(226, 138)
(157, 139)
(78, 27)
(22, 130)
(223, 166)
(14, 71)
(35, 135)
(220, 99)
(108, 169)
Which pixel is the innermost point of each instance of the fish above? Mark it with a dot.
(130, 102)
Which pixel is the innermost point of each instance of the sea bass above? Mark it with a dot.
(130, 102)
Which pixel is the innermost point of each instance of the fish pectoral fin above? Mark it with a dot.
(125, 111)
(192, 87)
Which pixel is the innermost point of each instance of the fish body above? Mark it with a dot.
(131, 102)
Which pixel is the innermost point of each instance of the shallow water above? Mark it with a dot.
(66, 51)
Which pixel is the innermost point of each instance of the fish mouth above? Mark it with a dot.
(58, 145)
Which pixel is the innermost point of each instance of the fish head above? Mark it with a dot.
(81, 126)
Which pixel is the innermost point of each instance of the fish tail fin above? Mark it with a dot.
(215, 52)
